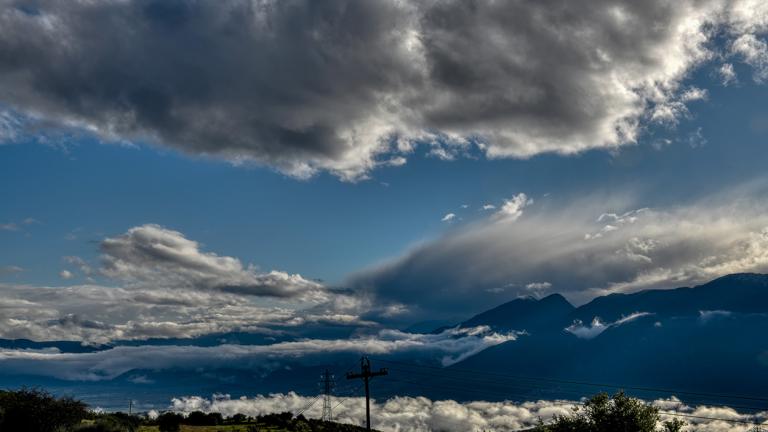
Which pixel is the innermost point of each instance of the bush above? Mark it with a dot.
(603, 413)
(34, 410)
(117, 422)
(169, 422)
(199, 418)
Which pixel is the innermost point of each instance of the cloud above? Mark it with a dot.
(538, 286)
(597, 327)
(489, 207)
(448, 217)
(707, 316)
(420, 414)
(728, 75)
(512, 208)
(580, 248)
(450, 346)
(167, 287)
(151, 254)
(9, 227)
(363, 83)
(10, 270)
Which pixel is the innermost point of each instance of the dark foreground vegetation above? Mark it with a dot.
(603, 413)
(34, 410)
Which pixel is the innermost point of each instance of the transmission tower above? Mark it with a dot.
(327, 382)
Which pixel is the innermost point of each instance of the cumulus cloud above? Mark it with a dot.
(580, 248)
(450, 346)
(420, 414)
(169, 288)
(512, 208)
(151, 254)
(449, 217)
(361, 84)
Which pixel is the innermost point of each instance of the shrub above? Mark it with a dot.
(169, 422)
(34, 410)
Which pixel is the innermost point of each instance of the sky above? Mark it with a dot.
(180, 169)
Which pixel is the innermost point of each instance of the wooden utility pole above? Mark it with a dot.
(366, 375)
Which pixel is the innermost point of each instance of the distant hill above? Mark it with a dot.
(713, 337)
(525, 313)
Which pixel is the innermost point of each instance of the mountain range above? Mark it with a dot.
(693, 342)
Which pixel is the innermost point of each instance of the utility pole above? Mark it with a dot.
(130, 406)
(366, 375)
(328, 383)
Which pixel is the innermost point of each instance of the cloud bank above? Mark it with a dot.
(346, 86)
(581, 248)
(451, 346)
(153, 255)
(419, 414)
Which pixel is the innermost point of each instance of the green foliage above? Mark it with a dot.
(115, 422)
(675, 425)
(169, 422)
(619, 413)
(34, 410)
(199, 418)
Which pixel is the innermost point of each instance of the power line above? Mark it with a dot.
(572, 403)
(532, 387)
(584, 383)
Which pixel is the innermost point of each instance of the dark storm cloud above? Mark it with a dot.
(346, 85)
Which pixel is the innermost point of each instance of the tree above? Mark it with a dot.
(619, 413)
(169, 422)
(34, 410)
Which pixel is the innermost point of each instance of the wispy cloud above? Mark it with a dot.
(581, 249)
(450, 346)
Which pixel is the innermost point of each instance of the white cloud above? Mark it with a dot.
(450, 346)
(420, 414)
(728, 75)
(538, 286)
(512, 208)
(448, 217)
(597, 327)
(489, 207)
(66, 274)
(157, 256)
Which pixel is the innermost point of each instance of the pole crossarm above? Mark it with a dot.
(366, 374)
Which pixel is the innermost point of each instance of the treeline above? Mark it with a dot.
(35, 410)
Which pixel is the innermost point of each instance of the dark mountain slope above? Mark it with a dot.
(525, 314)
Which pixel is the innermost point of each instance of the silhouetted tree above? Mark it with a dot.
(619, 413)
(34, 410)
(169, 422)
